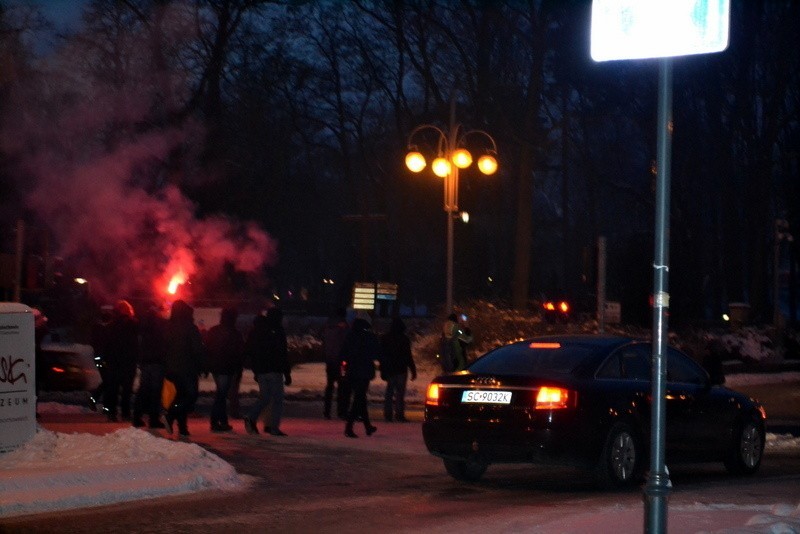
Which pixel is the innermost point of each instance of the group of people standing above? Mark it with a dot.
(163, 348)
(172, 350)
(350, 357)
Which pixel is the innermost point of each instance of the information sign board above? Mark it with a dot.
(17, 376)
(638, 29)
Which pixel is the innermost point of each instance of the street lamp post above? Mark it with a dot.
(451, 156)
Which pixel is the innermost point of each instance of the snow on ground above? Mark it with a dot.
(59, 471)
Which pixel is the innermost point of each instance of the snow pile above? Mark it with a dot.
(748, 344)
(781, 442)
(56, 471)
(780, 518)
(755, 379)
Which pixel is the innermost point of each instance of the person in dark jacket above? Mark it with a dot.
(99, 342)
(152, 358)
(267, 351)
(122, 355)
(333, 334)
(224, 358)
(360, 350)
(184, 359)
(396, 362)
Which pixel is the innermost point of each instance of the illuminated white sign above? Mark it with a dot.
(17, 376)
(364, 296)
(638, 29)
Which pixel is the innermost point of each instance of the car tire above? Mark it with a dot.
(621, 459)
(746, 449)
(470, 470)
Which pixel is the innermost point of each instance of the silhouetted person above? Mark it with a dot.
(396, 362)
(224, 358)
(152, 360)
(333, 335)
(448, 343)
(464, 337)
(40, 331)
(184, 359)
(360, 350)
(267, 350)
(99, 341)
(456, 336)
(122, 356)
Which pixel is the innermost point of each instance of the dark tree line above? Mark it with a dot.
(296, 115)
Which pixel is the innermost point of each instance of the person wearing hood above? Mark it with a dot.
(360, 350)
(396, 362)
(225, 354)
(122, 356)
(333, 335)
(183, 359)
(152, 357)
(266, 348)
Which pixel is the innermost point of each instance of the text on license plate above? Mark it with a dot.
(487, 397)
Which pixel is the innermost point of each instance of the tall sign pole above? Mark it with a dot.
(640, 29)
(658, 484)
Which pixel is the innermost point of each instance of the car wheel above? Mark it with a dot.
(465, 470)
(747, 449)
(621, 459)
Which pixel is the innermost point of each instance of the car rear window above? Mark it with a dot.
(522, 359)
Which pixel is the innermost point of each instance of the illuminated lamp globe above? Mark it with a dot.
(487, 164)
(461, 158)
(415, 161)
(440, 167)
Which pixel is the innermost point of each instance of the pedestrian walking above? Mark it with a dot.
(333, 334)
(360, 350)
(184, 359)
(122, 356)
(224, 358)
(234, 407)
(396, 362)
(99, 342)
(268, 354)
(446, 345)
(152, 360)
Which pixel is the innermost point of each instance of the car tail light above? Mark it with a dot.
(562, 306)
(545, 345)
(432, 396)
(552, 398)
(59, 370)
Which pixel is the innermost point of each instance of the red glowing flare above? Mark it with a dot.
(176, 280)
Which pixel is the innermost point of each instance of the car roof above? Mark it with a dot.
(598, 340)
(586, 352)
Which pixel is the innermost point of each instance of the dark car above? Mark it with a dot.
(67, 367)
(585, 401)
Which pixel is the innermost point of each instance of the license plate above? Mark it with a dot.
(477, 396)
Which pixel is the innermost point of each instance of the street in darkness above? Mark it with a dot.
(317, 480)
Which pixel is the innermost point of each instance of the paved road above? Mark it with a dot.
(317, 480)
